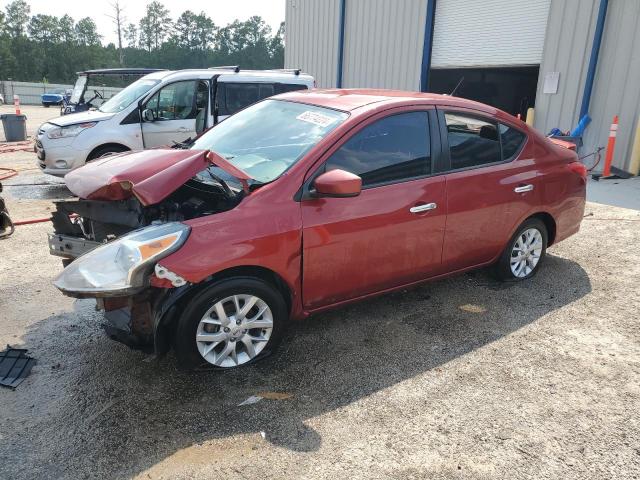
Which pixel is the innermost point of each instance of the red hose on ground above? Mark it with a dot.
(33, 220)
(10, 173)
(40, 220)
(16, 147)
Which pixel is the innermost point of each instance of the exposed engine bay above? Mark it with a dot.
(93, 222)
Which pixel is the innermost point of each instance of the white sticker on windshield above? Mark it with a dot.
(316, 118)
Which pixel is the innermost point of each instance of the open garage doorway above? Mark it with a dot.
(512, 89)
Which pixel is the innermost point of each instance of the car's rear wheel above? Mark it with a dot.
(524, 253)
(232, 323)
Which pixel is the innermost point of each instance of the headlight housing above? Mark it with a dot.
(121, 267)
(70, 131)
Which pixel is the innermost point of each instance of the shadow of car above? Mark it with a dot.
(128, 423)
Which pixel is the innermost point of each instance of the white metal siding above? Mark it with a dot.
(383, 43)
(311, 38)
(489, 32)
(567, 51)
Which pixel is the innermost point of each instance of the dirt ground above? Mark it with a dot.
(461, 378)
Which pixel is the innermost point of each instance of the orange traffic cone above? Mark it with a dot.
(608, 159)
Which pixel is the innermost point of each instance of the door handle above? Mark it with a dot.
(523, 188)
(423, 208)
(183, 129)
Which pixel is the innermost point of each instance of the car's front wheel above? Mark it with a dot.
(524, 253)
(231, 323)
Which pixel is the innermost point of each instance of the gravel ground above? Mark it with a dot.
(461, 378)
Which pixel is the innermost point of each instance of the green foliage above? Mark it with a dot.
(17, 17)
(45, 46)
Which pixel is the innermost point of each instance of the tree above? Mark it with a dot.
(155, 26)
(17, 18)
(195, 32)
(67, 29)
(276, 46)
(118, 21)
(44, 28)
(205, 31)
(184, 29)
(131, 35)
(87, 32)
(238, 35)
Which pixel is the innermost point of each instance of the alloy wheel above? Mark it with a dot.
(234, 330)
(526, 253)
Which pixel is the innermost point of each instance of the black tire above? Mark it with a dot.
(184, 342)
(46, 105)
(106, 150)
(503, 266)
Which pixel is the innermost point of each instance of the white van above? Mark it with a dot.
(158, 109)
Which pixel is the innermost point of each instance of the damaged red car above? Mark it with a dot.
(305, 202)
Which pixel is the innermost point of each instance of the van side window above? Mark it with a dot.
(392, 149)
(176, 101)
(233, 97)
(472, 142)
(289, 87)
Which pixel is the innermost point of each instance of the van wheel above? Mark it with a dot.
(106, 150)
(231, 323)
(524, 253)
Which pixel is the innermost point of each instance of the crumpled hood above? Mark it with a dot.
(149, 175)
(81, 117)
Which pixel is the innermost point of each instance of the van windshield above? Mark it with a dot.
(265, 139)
(127, 96)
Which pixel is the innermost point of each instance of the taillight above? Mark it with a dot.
(579, 168)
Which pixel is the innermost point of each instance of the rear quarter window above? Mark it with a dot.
(512, 140)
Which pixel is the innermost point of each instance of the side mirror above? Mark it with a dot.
(337, 183)
(148, 115)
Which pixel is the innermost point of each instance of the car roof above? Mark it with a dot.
(353, 98)
(283, 76)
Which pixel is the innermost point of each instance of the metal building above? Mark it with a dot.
(563, 57)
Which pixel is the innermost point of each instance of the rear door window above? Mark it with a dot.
(392, 149)
(472, 141)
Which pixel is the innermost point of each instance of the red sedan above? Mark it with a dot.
(305, 202)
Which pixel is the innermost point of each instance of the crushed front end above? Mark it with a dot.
(112, 237)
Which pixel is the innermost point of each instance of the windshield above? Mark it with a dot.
(265, 139)
(78, 89)
(127, 96)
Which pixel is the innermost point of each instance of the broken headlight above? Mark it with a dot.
(120, 267)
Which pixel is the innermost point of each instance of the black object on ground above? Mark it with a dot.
(6, 225)
(15, 365)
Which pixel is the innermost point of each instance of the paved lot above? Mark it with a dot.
(462, 378)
